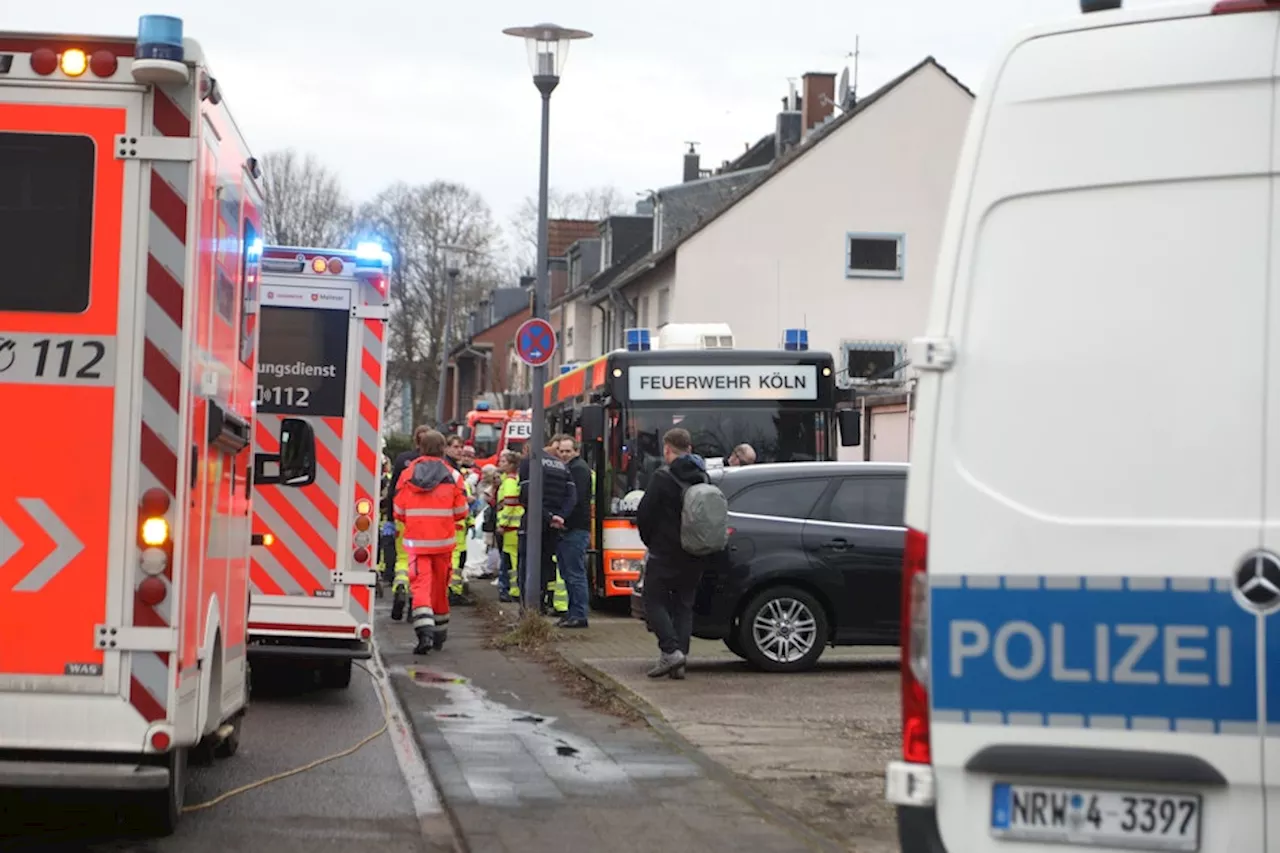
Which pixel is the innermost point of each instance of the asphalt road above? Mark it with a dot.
(360, 802)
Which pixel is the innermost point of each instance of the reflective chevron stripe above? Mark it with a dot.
(304, 521)
(368, 440)
(161, 438)
(66, 546)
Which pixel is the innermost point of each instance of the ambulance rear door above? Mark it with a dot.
(70, 379)
(308, 369)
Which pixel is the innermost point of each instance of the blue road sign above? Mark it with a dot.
(535, 342)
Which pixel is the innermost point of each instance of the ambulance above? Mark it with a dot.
(130, 210)
(1091, 627)
(323, 362)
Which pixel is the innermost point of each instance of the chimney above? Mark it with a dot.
(819, 98)
(692, 163)
(789, 128)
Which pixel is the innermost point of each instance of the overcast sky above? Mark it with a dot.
(383, 90)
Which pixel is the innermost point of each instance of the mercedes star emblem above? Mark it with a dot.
(1258, 580)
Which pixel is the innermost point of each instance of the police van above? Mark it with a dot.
(1091, 654)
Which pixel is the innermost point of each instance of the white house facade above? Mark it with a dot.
(839, 238)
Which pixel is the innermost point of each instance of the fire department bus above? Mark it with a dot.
(324, 350)
(781, 402)
(129, 213)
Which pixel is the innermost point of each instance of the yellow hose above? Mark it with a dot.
(222, 798)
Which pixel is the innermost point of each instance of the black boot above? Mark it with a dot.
(397, 605)
(425, 641)
(438, 640)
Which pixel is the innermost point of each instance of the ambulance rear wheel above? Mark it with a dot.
(336, 676)
(157, 813)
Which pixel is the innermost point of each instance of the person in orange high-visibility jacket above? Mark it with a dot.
(430, 499)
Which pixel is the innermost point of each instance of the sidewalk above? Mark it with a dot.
(814, 743)
(524, 769)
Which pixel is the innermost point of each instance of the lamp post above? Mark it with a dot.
(452, 268)
(548, 46)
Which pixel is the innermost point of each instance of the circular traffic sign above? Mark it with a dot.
(535, 342)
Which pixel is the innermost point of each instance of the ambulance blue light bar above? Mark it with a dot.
(637, 340)
(372, 255)
(482, 406)
(795, 340)
(159, 37)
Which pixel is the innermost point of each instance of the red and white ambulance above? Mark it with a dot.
(323, 361)
(129, 214)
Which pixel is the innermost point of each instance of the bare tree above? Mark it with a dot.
(305, 202)
(594, 203)
(415, 223)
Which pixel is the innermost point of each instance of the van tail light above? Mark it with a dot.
(1229, 7)
(915, 649)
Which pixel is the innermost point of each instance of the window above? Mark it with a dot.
(568, 336)
(870, 500)
(664, 306)
(872, 360)
(46, 221)
(250, 259)
(874, 255)
(785, 499)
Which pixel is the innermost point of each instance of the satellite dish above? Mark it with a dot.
(842, 90)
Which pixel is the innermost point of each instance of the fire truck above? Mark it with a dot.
(129, 219)
(323, 361)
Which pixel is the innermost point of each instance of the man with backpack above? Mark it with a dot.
(683, 521)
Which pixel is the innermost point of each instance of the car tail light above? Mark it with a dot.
(1228, 7)
(335, 266)
(160, 740)
(152, 591)
(363, 539)
(361, 555)
(365, 632)
(915, 649)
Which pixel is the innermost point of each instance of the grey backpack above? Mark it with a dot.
(704, 519)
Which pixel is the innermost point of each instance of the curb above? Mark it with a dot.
(713, 769)
(444, 831)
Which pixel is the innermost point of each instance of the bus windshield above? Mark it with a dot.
(776, 435)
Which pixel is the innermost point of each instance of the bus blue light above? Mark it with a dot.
(159, 37)
(795, 340)
(369, 251)
(637, 340)
(482, 406)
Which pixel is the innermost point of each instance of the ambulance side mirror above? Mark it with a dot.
(850, 427)
(295, 464)
(592, 423)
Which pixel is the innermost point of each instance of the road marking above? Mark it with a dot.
(422, 790)
(66, 546)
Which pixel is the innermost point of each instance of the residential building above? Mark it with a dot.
(838, 234)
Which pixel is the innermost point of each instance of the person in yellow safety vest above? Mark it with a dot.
(457, 586)
(509, 514)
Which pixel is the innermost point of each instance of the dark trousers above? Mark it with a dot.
(538, 577)
(669, 592)
(387, 553)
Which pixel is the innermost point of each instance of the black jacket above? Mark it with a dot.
(658, 516)
(558, 492)
(580, 517)
(397, 468)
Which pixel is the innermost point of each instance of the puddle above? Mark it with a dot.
(501, 764)
(426, 676)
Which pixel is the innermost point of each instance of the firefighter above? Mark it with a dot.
(400, 591)
(509, 514)
(430, 498)
(456, 450)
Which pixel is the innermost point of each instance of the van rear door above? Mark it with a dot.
(68, 210)
(1099, 457)
(303, 372)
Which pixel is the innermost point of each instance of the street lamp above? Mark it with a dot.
(548, 46)
(452, 257)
